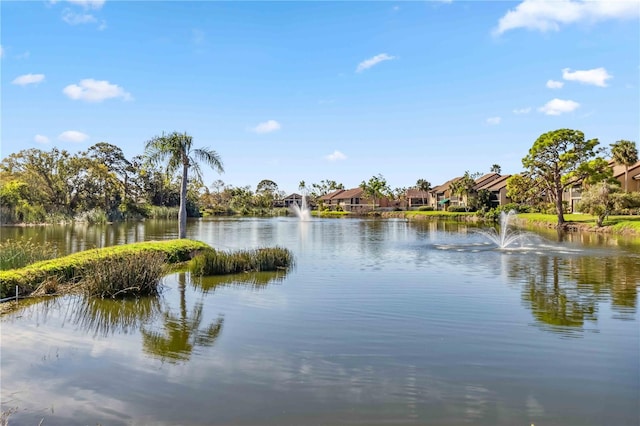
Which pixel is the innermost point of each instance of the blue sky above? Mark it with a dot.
(293, 91)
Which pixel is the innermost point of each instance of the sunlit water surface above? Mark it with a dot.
(379, 322)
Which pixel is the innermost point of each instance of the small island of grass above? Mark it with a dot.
(133, 269)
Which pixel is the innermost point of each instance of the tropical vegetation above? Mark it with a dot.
(101, 185)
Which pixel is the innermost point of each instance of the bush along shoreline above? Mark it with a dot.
(132, 269)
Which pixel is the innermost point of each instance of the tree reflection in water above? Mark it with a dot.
(564, 291)
(180, 333)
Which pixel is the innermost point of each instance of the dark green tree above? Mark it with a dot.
(560, 159)
(376, 188)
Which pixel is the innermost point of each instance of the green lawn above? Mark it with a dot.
(618, 223)
(440, 213)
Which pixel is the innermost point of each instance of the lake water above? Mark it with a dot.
(379, 322)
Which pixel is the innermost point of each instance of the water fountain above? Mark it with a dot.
(505, 237)
(302, 211)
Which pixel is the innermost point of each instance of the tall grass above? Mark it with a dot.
(162, 212)
(22, 252)
(112, 277)
(217, 262)
(68, 270)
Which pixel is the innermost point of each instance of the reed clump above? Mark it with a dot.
(24, 251)
(218, 262)
(122, 276)
(69, 270)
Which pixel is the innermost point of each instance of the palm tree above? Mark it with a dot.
(625, 153)
(176, 148)
(424, 186)
(496, 168)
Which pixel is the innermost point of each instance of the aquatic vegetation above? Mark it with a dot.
(120, 276)
(22, 252)
(218, 262)
(73, 268)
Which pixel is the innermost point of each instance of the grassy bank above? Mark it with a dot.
(329, 213)
(622, 225)
(75, 267)
(430, 214)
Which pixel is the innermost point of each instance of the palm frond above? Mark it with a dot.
(209, 157)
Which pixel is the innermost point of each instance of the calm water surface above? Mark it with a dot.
(379, 322)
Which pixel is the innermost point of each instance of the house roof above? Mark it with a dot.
(445, 186)
(496, 184)
(416, 193)
(331, 195)
(293, 196)
(483, 180)
(349, 193)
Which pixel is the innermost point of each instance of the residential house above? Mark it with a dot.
(633, 175)
(441, 195)
(497, 187)
(330, 200)
(416, 198)
(290, 200)
(352, 200)
(573, 195)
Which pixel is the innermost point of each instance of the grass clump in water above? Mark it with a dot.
(22, 252)
(71, 269)
(121, 276)
(216, 262)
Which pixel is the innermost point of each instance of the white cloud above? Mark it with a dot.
(1, 51)
(368, 63)
(102, 26)
(596, 76)
(494, 120)
(526, 110)
(552, 84)
(558, 106)
(88, 4)
(267, 127)
(73, 18)
(73, 136)
(91, 90)
(24, 55)
(336, 156)
(40, 139)
(23, 80)
(551, 15)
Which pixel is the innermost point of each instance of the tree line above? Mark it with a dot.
(101, 184)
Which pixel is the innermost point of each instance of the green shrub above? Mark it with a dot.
(92, 216)
(217, 262)
(425, 208)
